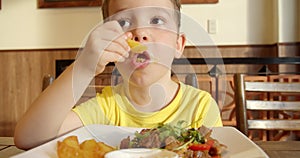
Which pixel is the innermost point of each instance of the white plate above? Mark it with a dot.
(141, 152)
(238, 145)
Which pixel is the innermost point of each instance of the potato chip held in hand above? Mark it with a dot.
(136, 47)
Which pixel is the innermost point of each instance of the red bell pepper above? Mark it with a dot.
(202, 147)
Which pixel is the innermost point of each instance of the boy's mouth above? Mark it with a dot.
(141, 60)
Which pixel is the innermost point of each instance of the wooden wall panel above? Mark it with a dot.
(289, 50)
(21, 81)
(22, 72)
(235, 51)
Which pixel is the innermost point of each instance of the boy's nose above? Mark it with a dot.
(140, 38)
(140, 35)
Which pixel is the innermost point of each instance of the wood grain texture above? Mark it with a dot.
(22, 73)
(68, 3)
(277, 112)
(198, 1)
(21, 81)
(280, 149)
(96, 3)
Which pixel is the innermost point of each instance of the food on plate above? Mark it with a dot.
(187, 143)
(136, 47)
(71, 148)
(141, 153)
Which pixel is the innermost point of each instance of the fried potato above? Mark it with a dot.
(136, 47)
(72, 141)
(105, 147)
(71, 148)
(89, 145)
(66, 151)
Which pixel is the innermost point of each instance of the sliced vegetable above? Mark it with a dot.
(202, 147)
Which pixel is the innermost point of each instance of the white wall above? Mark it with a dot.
(24, 26)
(289, 20)
(238, 21)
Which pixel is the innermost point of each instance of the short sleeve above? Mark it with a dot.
(213, 117)
(89, 111)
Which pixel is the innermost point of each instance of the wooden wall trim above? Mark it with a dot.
(188, 47)
(252, 45)
(39, 50)
(290, 44)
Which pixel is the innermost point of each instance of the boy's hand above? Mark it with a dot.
(106, 43)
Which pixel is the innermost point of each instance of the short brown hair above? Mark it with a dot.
(176, 3)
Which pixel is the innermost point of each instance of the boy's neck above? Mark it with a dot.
(154, 97)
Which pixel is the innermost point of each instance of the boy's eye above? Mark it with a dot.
(157, 21)
(124, 23)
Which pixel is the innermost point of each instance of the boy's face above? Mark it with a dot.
(153, 23)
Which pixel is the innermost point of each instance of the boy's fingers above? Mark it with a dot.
(128, 35)
(109, 56)
(118, 48)
(123, 42)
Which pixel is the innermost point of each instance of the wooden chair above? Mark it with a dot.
(244, 105)
(47, 80)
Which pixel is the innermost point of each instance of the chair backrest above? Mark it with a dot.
(47, 80)
(191, 79)
(274, 104)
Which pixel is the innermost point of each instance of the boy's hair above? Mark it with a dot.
(176, 3)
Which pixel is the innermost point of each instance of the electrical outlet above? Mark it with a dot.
(212, 26)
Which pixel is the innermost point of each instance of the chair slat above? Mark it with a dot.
(287, 92)
(272, 105)
(274, 124)
(272, 87)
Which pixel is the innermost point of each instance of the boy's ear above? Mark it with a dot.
(180, 45)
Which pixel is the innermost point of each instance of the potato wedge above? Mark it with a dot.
(136, 47)
(71, 148)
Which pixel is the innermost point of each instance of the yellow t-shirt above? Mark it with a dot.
(193, 105)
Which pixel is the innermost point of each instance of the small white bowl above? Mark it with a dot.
(141, 153)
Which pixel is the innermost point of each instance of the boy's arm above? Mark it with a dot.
(45, 116)
(51, 112)
(72, 121)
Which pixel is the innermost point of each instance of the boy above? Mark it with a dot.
(147, 96)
